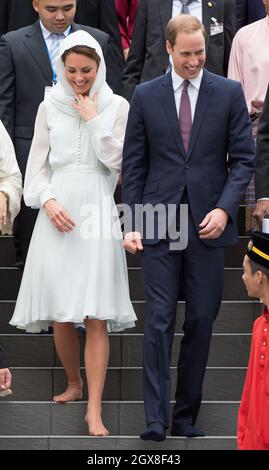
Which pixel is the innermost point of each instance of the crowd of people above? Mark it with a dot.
(69, 136)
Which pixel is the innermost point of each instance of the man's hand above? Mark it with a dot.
(86, 107)
(213, 224)
(261, 210)
(5, 378)
(58, 216)
(132, 242)
(3, 210)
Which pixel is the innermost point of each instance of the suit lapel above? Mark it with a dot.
(205, 92)
(35, 44)
(168, 100)
(166, 8)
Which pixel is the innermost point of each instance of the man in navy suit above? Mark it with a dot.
(248, 11)
(188, 140)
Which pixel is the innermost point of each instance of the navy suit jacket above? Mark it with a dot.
(156, 168)
(248, 11)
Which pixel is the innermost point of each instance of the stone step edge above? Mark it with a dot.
(45, 335)
(106, 437)
(112, 402)
(133, 268)
(123, 368)
(179, 302)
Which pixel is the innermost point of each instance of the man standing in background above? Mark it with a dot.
(148, 57)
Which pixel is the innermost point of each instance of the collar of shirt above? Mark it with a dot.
(46, 33)
(176, 3)
(177, 80)
(197, 1)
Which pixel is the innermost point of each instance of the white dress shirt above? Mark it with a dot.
(47, 35)
(195, 8)
(193, 90)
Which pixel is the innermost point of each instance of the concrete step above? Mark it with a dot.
(234, 289)
(234, 317)
(40, 384)
(122, 418)
(115, 443)
(233, 257)
(28, 350)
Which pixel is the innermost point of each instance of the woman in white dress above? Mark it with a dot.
(76, 268)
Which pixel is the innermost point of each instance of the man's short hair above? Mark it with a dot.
(183, 24)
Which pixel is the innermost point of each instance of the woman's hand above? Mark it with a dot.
(3, 210)
(86, 107)
(58, 216)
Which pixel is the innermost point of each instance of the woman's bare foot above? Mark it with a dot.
(72, 393)
(95, 424)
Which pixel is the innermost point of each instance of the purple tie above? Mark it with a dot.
(185, 122)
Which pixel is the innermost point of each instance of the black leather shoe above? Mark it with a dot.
(154, 432)
(187, 430)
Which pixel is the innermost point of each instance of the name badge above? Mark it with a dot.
(216, 29)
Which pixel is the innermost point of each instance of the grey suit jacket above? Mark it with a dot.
(148, 57)
(24, 73)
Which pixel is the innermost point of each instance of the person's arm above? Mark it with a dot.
(136, 57)
(235, 61)
(37, 188)
(10, 182)
(241, 154)
(241, 7)
(229, 31)
(7, 86)
(134, 171)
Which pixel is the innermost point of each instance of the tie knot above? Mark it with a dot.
(186, 2)
(185, 85)
(56, 36)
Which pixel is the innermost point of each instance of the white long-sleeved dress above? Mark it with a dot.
(82, 274)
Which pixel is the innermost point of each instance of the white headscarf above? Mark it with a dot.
(62, 95)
